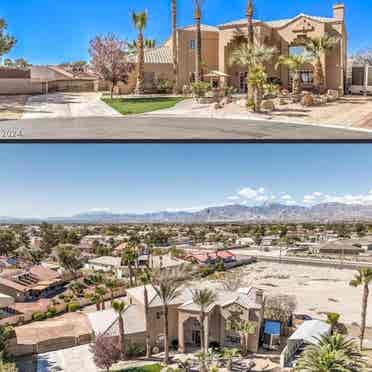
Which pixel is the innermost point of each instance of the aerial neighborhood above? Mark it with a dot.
(223, 295)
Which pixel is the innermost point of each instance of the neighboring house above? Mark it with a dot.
(212, 257)
(18, 81)
(60, 79)
(184, 318)
(288, 36)
(106, 263)
(31, 285)
(308, 333)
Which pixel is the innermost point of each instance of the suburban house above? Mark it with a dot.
(211, 258)
(31, 285)
(288, 36)
(229, 308)
(44, 79)
(106, 264)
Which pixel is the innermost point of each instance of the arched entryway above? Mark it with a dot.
(192, 333)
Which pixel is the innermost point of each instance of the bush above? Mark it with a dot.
(72, 307)
(52, 311)
(200, 89)
(164, 86)
(228, 91)
(174, 344)
(135, 350)
(37, 315)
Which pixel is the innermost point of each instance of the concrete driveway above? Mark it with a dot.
(67, 105)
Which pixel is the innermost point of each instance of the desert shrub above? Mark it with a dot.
(135, 350)
(72, 307)
(38, 315)
(52, 311)
(199, 89)
(164, 85)
(228, 91)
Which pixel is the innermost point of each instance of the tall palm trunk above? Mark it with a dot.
(130, 274)
(250, 88)
(140, 65)
(121, 336)
(202, 331)
(174, 46)
(166, 334)
(364, 313)
(146, 298)
(318, 73)
(198, 57)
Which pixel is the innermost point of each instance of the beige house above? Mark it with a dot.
(288, 36)
(229, 308)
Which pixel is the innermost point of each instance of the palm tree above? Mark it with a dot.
(120, 307)
(145, 279)
(174, 44)
(254, 58)
(166, 287)
(249, 14)
(128, 258)
(198, 54)
(140, 22)
(331, 353)
(317, 47)
(332, 320)
(203, 298)
(245, 328)
(101, 292)
(294, 64)
(111, 284)
(363, 278)
(229, 354)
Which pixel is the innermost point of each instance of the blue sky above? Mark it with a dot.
(51, 31)
(61, 180)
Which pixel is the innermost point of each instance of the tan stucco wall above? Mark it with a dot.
(20, 86)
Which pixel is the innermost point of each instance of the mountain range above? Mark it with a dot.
(325, 212)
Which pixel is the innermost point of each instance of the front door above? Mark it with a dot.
(195, 336)
(243, 82)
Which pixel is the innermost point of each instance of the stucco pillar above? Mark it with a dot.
(181, 338)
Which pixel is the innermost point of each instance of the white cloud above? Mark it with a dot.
(287, 197)
(318, 197)
(248, 193)
(234, 197)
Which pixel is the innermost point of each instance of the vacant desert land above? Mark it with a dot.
(318, 290)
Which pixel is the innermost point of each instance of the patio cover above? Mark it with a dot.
(216, 74)
(310, 331)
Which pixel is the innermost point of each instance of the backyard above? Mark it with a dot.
(141, 105)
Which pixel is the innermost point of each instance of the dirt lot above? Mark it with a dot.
(12, 107)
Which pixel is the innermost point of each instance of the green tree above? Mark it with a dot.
(8, 242)
(332, 320)
(140, 23)
(294, 64)
(111, 284)
(129, 258)
(7, 42)
(317, 47)
(245, 329)
(254, 58)
(203, 298)
(146, 279)
(68, 257)
(331, 353)
(363, 278)
(198, 53)
(120, 307)
(228, 354)
(166, 286)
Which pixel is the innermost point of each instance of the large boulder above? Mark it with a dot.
(307, 100)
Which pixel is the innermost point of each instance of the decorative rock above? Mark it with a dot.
(225, 101)
(307, 100)
(268, 105)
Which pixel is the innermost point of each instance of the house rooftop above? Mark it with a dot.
(106, 261)
(310, 331)
(280, 22)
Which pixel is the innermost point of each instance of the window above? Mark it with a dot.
(192, 77)
(298, 50)
(306, 77)
(358, 76)
(192, 44)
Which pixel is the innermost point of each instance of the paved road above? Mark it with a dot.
(158, 128)
(66, 105)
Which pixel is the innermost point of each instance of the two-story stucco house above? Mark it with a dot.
(288, 36)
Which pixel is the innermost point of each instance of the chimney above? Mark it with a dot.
(339, 11)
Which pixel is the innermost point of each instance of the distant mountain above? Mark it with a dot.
(326, 212)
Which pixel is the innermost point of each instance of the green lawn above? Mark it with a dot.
(147, 368)
(128, 106)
